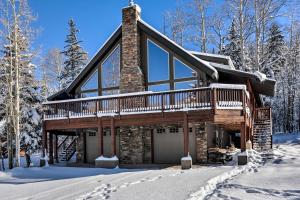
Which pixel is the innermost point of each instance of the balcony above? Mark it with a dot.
(204, 98)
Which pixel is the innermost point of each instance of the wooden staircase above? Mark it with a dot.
(67, 148)
(262, 130)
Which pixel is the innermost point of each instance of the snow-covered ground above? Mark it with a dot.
(92, 183)
(277, 179)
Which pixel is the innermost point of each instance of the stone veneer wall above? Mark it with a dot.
(132, 79)
(135, 145)
(201, 142)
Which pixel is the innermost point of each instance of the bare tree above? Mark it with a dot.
(51, 67)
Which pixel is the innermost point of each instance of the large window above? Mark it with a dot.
(181, 70)
(110, 70)
(158, 62)
(167, 72)
(91, 83)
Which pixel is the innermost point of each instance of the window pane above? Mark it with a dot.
(89, 94)
(110, 92)
(159, 88)
(92, 82)
(158, 63)
(185, 85)
(182, 70)
(111, 70)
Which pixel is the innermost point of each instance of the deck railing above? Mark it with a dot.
(190, 99)
(263, 113)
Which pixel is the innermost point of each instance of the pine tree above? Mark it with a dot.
(75, 57)
(233, 48)
(275, 53)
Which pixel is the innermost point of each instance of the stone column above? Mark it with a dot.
(132, 79)
(131, 145)
(201, 142)
(147, 144)
(80, 147)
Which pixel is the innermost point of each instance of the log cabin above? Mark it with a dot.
(143, 99)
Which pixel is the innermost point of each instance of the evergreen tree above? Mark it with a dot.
(22, 117)
(275, 53)
(233, 48)
(75, 57)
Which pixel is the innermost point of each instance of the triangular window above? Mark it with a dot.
(158, 63)
(181, 70)
(91, 83)
(111, 69)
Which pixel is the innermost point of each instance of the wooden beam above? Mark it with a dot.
(243, 136)
(152, 146)
(100, 132)
(51, 160)
(44, 138)
(113, 136)
(55, 148)
(185, 134)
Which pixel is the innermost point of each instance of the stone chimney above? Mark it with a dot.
(132, 79)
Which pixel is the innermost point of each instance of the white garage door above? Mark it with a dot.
(168, 145)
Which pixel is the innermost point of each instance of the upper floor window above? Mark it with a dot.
(110, 71)
(91, 83)
(181, 70)
(158, 62)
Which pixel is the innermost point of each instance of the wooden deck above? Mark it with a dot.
(218, 105)
(232, 108)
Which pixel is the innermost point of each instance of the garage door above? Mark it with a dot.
(168, 145)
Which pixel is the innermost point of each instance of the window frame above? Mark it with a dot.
(88, 79)
(103, 61)
(171, 65)
(174, 70)
(147, 57)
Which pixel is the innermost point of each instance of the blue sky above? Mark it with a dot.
(96, 19)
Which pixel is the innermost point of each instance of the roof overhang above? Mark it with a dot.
(260, 86)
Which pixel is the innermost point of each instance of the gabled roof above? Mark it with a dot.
(260, 85)
(212, 64)
(194, 60)
(215, 58)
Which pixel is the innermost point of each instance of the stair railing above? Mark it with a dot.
(72, 148)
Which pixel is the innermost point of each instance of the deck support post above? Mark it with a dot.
(243, 131)
(113, 136)
(51, 160)
(185, 134)
(44, 138)
(55, 148)
(100, 132)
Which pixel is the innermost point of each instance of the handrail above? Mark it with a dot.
(197, 98)
(63, 142)
(263, 113)
(68, 147)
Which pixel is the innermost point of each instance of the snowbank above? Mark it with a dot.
(102, 158)
(255, 160)
(186, 158)
(286, 138)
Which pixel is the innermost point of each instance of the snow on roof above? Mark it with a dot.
(262, 77)
(205, 63)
